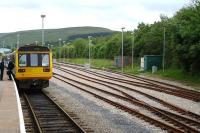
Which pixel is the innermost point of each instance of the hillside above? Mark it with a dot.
(52, 35)
(2, 34)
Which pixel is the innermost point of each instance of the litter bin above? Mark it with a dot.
(154, 69)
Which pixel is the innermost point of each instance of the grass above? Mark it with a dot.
(169, 74)
(178, 75)
(101, 63)
(104, 63)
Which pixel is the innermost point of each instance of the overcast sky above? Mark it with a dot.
(17, 15)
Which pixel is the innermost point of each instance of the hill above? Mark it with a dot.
(2, 34)
(52, 35)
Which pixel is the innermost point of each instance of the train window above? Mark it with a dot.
(45, 59)
(34, 59)
(22, 60)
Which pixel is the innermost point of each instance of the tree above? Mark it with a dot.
(188, 23)
(79, 47)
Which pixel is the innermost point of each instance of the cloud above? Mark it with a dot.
(165, 6)
(25, 15)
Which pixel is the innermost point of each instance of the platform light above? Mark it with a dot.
(132, 33)
(163, 62)
(60, 46)
(89, 43)
(122, 62)
(64, 51)
(43, 16)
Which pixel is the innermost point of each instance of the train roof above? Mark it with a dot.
(33, 48)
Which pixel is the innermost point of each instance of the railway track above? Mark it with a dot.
(154, 82)
(151, 81)
(30, 123)
(44, 115)
(148, 84)
(172, 126)
(164, 103)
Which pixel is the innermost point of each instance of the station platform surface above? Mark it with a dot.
(9, 114)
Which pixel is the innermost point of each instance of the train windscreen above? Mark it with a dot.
(45, 59)
(34, 59)
(22, 60)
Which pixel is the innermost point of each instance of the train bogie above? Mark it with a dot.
(32, 84)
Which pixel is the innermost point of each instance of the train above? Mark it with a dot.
(32, 66)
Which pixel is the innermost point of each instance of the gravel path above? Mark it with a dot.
(102, 117)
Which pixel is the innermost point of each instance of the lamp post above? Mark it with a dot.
(163, 62)
(36, 42)
(3, 43)
(51, 48)
(60, 47)
(89, 37)
(11, 47)
(64, 51)
(132, 48)
(18, 40)
(68, 50)
(122, 50)
(43, 16)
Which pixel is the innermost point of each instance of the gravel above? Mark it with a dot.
(176, 83)
(178, 101)
(102, 73)
(181, 102)
(98, 115)
(139, 109)
(88, 82)
(139, 96)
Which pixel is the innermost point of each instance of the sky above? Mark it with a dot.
(18, 15)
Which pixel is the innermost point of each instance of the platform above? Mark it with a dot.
(9, 108)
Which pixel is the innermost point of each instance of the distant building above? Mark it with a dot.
(5, 50)
(118, 61)
(148, 61)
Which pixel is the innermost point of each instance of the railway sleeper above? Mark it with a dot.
(61, 131)
(57, 127)
(49, 115)
(43, 123)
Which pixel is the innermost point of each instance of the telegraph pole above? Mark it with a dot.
(43, 16)
(122, 50)
(163, 50)
(133, 47)
(89, 43)
(18, 35)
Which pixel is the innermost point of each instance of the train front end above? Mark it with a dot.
(33, 67)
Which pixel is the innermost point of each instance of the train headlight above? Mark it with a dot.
(21, 70)
(46, 69)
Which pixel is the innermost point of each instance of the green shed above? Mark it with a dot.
(152, 60)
